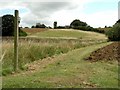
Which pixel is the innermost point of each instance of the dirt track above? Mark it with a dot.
(108, 53)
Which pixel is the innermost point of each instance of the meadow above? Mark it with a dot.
(55, 58)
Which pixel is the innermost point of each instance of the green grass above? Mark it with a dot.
(58, 33)
(58, 59)
(32, 50)
(69, 33)
(69, 70)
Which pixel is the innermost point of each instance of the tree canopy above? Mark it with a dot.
(8, 26)
(40, 26)
(77, 23)
(114, 33)
(55, 24)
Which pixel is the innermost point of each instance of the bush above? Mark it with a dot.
(114, 33)
(22, 33)
(60, 27)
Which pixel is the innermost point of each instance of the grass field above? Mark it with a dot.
(36, 49)
(69, 34)
(55, 58)
(67, 71)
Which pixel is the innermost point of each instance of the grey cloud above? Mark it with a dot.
(43, 10)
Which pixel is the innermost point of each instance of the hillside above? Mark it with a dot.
(68, 33)
(56, 59)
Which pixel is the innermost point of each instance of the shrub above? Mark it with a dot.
(114, 33)
(22, 33)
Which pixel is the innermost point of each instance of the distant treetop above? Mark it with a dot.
(77, 23)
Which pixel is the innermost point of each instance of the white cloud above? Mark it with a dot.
(96, 19)
(63, 12)
(100, 19)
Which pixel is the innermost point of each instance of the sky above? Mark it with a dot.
(96, 13)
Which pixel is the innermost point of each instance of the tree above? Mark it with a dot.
(118, 21)
(42, 26)
(33, 27)
(105, 26)
(114, 33)
(38, 25)
(77, 23)
(7, 25)
(55, 24)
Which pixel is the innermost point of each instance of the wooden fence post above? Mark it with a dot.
(16, 35)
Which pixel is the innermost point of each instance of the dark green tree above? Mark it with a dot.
(118, 21)
(55, 24)
(114, 33)
(7, 25)
(41, 26)
(77, 23)
(32, 26)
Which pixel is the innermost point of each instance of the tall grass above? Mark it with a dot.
(31, 50)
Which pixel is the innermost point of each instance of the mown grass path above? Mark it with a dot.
(66, 70)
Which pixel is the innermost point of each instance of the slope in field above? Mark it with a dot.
(69, 33)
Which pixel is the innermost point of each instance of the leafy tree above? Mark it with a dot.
(55, 24)
(40, 26)
(105, 26)
(8, 26)
(77, 23)
(118, 21)
(33, 27)
(114, 33)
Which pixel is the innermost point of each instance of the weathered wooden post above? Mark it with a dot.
(16, 35)
(1, 52)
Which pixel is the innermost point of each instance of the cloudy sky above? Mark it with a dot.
(97, 13)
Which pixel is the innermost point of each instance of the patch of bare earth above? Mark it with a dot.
(108, 53)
